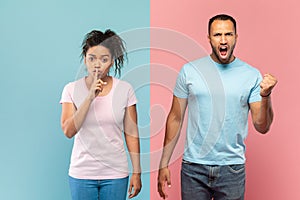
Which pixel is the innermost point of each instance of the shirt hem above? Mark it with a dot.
(98, 177)
(222, 163)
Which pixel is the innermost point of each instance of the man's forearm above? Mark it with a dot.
(173, 128)
(265, 116)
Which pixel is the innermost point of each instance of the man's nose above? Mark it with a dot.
(223, 39)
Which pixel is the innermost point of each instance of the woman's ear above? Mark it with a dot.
(112, 61)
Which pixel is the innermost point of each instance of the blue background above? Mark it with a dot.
(40, 48)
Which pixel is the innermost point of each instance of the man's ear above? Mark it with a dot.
(208, 37)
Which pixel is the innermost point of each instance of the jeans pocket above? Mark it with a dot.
(236, 168)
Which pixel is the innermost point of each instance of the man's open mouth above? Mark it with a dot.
(223, 51)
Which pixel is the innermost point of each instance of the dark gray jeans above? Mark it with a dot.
(205, 182)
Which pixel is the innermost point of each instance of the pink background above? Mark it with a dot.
(269, 40)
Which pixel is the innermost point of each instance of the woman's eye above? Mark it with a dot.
(104, 60)
(91, 59)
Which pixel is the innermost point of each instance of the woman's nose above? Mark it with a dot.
(97, 63)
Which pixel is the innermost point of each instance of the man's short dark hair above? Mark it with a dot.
(222, 17)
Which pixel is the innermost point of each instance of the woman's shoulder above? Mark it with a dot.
(122, 85)
(70, 86)
(121, 82)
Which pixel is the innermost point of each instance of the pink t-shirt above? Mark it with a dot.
(98, 150)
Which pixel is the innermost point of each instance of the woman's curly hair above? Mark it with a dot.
(110, 40)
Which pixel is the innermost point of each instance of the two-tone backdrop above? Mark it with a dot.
(40, 49)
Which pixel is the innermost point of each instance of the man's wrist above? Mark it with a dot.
(265, 96)
(163, 165)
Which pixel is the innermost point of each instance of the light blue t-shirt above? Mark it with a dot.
(218, 106)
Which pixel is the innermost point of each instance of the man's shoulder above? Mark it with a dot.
(201, 60)
(197, 62)
(245, 64)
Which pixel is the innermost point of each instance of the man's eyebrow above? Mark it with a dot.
(219, 32)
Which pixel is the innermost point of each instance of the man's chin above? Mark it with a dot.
(224, 60)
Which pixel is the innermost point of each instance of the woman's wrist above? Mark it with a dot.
(136, 171)
(90, 97)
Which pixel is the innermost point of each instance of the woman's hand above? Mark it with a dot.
(135, 184)
(96, 86)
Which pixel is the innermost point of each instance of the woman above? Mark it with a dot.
(96, 110)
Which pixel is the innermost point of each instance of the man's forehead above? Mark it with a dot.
(222, 25)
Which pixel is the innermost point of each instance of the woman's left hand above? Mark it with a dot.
(135, 185)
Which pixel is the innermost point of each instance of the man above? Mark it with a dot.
(219, 90)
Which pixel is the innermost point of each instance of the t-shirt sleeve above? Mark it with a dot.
(255, 91)
(181, 89)
(131, 100)
(66, 96)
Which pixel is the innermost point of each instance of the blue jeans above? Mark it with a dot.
(83, 189)
(212, 181)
